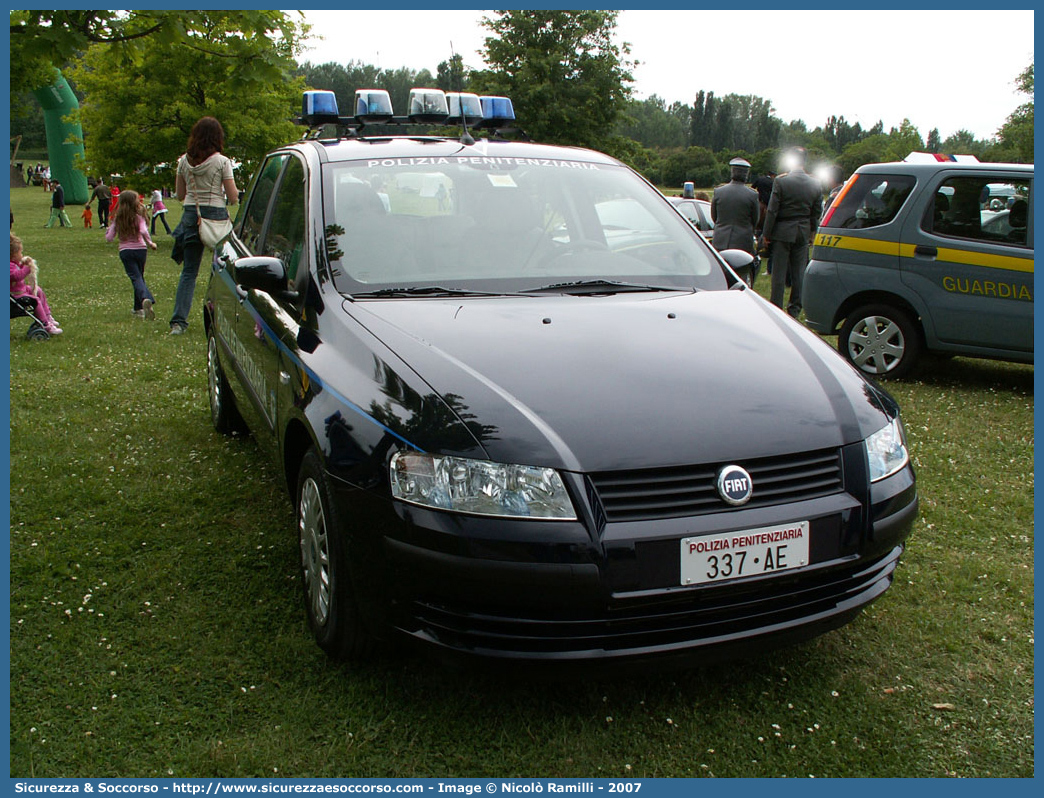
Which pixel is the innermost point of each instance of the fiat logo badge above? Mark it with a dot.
(734, 485)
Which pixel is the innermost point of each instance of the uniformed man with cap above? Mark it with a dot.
(735, 211)
(791, 220)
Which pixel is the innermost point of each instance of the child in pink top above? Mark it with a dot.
(128, 223)
(23, 283)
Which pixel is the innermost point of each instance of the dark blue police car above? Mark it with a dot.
(526, 412)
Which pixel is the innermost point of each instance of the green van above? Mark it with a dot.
(927, 254)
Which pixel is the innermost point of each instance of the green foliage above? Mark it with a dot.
(1016, 135)
(652, 124)
(42, 39)
(903, 141)
(872, 149)
(136, 118)
(568, 80)
(696, 164)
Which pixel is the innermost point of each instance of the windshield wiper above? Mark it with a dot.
(424, 290)
(599, 286)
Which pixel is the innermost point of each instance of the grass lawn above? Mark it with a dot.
(156, 626)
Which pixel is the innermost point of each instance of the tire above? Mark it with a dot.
(329, 599)
(880, 341)
(223, 412)
(37, 334)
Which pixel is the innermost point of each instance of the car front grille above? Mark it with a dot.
(692, 490)
(676, 619)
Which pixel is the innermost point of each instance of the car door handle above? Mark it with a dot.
(927, 252)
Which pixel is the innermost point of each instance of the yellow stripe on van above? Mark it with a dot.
(946, 254)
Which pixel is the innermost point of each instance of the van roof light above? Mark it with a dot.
(938, 157)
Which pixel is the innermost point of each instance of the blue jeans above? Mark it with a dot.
(134, 265)
(186, 235)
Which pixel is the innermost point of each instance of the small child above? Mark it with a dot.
(87, 215)
(24, 273)
(128, 223)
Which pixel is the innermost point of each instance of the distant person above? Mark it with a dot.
(735, 212)
(835, 181)
(204, 185)
(88, 216)
(101, 193)
(793, 213)
(114, 197)
(25, 282)
(129, 226)
(58, 213)
(159, 210)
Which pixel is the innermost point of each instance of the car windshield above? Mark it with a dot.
(504, 225)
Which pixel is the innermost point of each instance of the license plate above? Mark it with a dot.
(751, 552)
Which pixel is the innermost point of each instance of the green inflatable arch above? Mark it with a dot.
(64, 139)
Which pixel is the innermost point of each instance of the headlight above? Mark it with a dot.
(479, 487)
(886, 450)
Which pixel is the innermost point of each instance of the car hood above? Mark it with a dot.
(594, 383)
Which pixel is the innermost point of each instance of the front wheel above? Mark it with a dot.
(880, 341)
(330, 605)
(223, 412)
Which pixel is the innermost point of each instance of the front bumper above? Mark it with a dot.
(582, 591)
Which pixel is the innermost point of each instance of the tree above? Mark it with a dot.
(568, 80)
(452, 75)
(1017, 132)
(934, 143)
(135, 119)
(903, 141)
(963, 142)
(44, 39)
(652, 124)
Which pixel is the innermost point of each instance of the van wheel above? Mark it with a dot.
(223, 412)
(333, 614)
(880, 341)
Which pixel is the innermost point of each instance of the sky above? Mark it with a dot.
(950, 70)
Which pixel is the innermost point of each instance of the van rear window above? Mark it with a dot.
(870, 201)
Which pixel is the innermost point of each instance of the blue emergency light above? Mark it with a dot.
(464, 107)
(496, 111)
(373, 106)
(428, 106)
(319, 108)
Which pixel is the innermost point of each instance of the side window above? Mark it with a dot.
(286, 232)
(981, 208)
(871, 200)
(257, 203)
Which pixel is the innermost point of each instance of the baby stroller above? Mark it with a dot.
(26, 306)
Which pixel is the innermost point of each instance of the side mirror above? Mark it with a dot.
(740, 262)
(261, 274)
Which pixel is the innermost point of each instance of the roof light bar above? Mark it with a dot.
(426, 107)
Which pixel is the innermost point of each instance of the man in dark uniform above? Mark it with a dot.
(791, 219)
(734, 211)
(102, 194)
